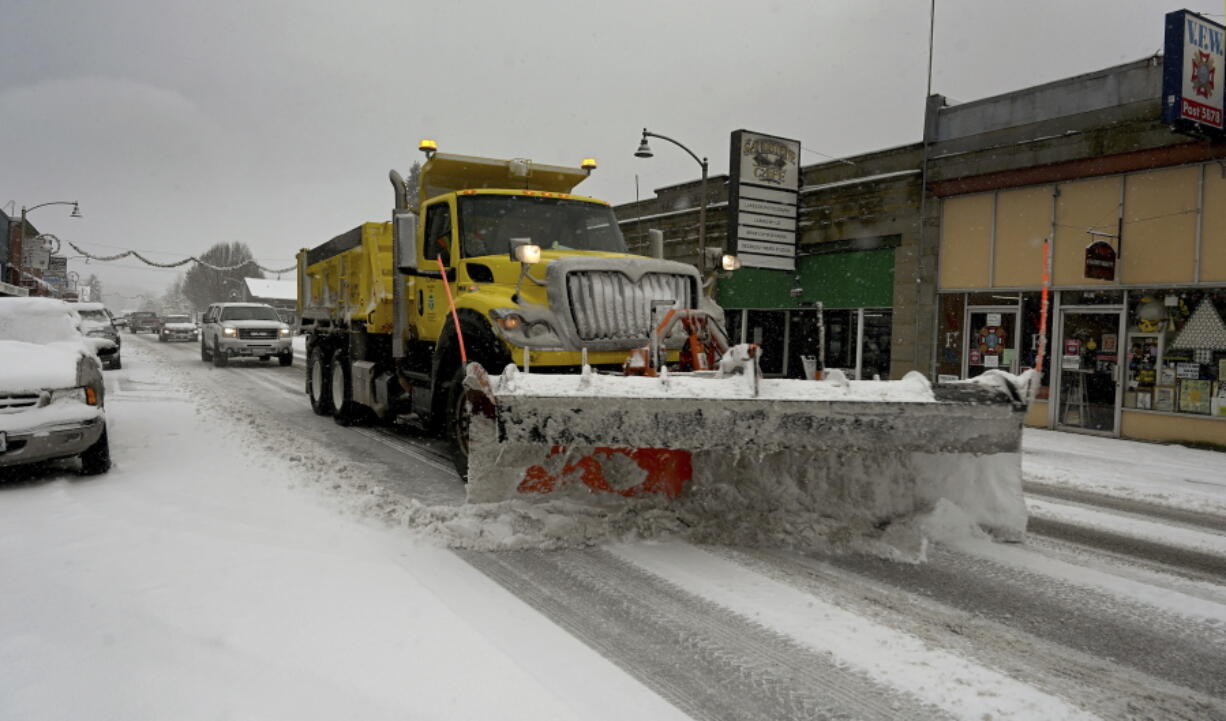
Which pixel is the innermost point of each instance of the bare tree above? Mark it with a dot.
(202, 285)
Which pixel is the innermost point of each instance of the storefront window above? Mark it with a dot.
(841, 335)
(875, 349)
(1091, 297)
(803, 340)
(949, 335)
(767, 329)
(1177, 351)
(1032, 308)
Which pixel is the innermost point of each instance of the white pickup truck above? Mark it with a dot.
(253, 330)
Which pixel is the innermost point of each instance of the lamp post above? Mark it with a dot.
(644, 151)
(76, 213)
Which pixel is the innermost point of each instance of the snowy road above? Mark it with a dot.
(249, 559)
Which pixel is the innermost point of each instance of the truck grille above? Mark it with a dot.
(17, 403)
(257, 333)
(607, 305)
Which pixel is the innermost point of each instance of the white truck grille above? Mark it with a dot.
(607, 305)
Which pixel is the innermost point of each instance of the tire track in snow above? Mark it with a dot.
(1191, 563)
(707, 661)
(1128, 505)
(1176, 649)
(1100, 686)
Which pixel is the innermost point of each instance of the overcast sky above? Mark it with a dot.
(180, 124)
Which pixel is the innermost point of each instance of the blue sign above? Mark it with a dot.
(1192, 89)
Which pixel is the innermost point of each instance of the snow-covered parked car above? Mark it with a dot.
(178, 327)
(96, 322)
(51, 391)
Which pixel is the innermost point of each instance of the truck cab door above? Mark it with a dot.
(438, 244)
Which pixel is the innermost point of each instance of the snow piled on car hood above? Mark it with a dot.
(33, 367)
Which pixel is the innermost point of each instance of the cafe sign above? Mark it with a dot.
(1100, 260)
(764, 200)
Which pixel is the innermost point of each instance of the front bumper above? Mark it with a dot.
(54, 440)
(187, 335)
(254, 347)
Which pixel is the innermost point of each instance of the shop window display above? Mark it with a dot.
(1177, 351)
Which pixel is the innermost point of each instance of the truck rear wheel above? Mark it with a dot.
(319, 383)
(457, 423)
(344, 410)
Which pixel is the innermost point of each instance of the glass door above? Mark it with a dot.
(1089, 362)
(991, 340)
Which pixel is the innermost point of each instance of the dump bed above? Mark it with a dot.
(349, 279)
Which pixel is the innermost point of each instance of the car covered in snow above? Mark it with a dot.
(96, 322)
(144, 321)
(178, 327)
(51, 389)
(244, 329)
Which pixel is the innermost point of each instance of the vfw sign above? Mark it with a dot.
(1192, 75)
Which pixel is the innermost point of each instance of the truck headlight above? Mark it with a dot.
(285, 332)
(230, 332)
(511, 321)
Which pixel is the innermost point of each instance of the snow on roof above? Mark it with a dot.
(275, 289)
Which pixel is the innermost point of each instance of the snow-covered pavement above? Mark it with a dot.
(241, 561)
(196, 581)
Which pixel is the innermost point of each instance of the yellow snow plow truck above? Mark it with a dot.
(503, 312)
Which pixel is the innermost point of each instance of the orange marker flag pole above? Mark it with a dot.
(1038, 364)
(454, 316)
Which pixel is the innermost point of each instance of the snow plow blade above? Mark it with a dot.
(868, 451)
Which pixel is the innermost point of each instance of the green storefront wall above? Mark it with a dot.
(853, 279)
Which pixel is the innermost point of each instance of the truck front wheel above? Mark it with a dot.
(457, 422)
(319, 383)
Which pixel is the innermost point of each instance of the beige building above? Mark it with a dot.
(1079, 162)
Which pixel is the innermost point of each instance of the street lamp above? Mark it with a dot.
(644, 151)
(76, 213)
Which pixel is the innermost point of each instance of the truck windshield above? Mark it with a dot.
(488, 222)
(249, 312)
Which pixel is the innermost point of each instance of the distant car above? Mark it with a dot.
(244, 329)
(120, 321)
(144, 321)
(178, 327)
(51, 389)
(96, 323)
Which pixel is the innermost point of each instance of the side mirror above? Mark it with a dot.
(404, 238)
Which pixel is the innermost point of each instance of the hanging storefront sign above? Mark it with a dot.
(764, 200)
(1100, 260)
(1191, 74)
